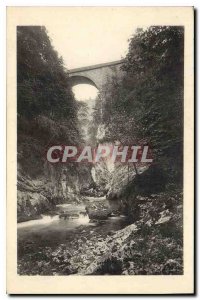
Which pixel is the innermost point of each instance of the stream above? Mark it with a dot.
(51, 231)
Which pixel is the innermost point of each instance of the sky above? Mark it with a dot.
(87, 41)
(84, 92)
(84, 37)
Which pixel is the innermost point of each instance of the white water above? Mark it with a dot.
(52, 230)
(83, 219)
(44, 220)
(91, 198)
(55, 220)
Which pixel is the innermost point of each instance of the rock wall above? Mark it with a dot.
(126, 185)
(36, 196)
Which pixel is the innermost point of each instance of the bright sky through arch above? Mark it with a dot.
(84, 92)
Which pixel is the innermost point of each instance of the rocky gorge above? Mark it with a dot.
(101, 218)
(140, 234)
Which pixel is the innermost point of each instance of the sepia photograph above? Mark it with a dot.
(100, 112)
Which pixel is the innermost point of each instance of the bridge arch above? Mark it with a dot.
(96, 75)
(79, 79)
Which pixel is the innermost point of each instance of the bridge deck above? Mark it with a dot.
(116, 62)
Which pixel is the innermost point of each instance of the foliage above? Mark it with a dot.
(47, 110)
(147, 104)
(42, 80)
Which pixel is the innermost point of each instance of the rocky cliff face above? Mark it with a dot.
(55, 185)
(33, 198)
(126, 185)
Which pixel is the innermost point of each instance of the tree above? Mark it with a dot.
(46, 108)
(147, 104)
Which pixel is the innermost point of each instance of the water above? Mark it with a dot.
(38, 240)
(53, 231)
(43, 221)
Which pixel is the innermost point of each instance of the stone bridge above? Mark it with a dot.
(96, 75)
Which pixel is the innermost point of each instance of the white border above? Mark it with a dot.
(3, 5)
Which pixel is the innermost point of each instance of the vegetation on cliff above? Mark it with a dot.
(147, 104)
(46, 108)
(47, 114)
